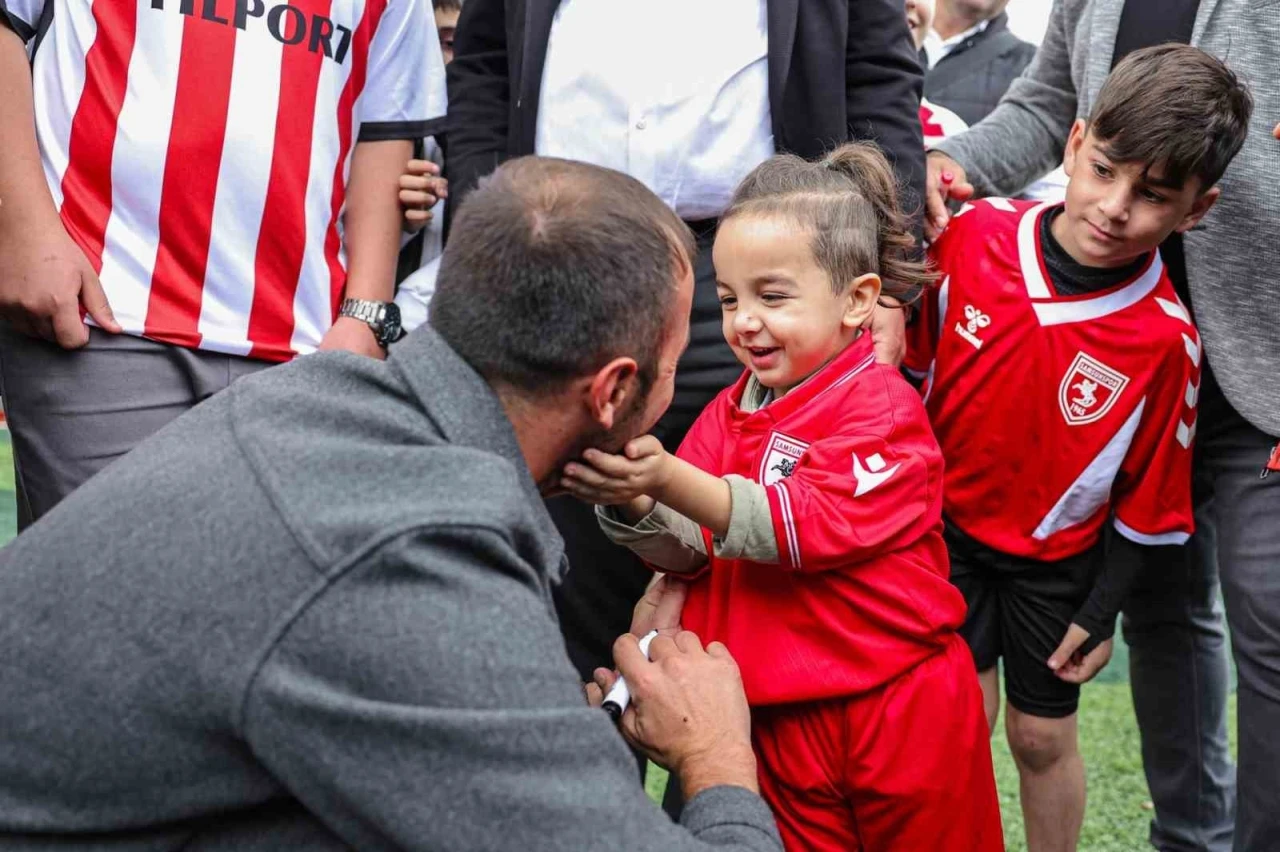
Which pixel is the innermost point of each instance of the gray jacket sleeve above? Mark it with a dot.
(672, 542)
(423, 700)
(1025, 136)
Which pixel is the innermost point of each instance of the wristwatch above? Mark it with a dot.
(382, 317)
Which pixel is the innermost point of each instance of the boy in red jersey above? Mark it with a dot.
(808, 495)
(1063, 372)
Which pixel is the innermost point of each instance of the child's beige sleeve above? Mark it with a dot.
(750, 534)
(664, 538)
(670, 541)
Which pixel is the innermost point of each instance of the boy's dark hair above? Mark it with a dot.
(1174, 107)
(553, 269)
(848, 203)
(446, 5)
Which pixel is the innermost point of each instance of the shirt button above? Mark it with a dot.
(641, 124)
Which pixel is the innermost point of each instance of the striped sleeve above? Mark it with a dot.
(22, 16)
(852, 498)
(405, 89)
(1153, 504)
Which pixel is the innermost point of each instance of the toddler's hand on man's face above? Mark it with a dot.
(609, 479)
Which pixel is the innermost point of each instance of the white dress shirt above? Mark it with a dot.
(674, 93)
(936, 48)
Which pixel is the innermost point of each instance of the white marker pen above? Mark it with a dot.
(615, 703)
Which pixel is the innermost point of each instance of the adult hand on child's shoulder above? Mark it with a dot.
(1069, 664)
(946, 180)
(889, 332)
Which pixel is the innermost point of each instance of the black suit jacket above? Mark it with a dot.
(838, 70)
(971, 79)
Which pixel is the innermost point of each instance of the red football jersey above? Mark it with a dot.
(1055, 413)
(854, 479)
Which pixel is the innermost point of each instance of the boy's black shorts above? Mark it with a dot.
(1019, 609)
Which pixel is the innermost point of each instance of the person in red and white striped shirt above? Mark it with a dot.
(206, 182)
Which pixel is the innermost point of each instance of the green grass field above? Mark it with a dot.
(1118, 811)
(8, 507)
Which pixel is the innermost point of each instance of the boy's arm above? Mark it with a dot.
(403, 99)
(1152, 496)
(45, 278)
(1121, 566)
(372, 228)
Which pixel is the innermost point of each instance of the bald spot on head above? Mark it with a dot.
(556, 267)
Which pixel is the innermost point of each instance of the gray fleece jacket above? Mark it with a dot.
(1233, 255)
(315, 613)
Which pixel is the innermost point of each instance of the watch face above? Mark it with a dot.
(391, 329)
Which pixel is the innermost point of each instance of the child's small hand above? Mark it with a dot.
(661, 606)
(420, 188)
(610, 480)
(1074, 667)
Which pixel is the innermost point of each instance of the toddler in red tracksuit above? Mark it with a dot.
(805, 506)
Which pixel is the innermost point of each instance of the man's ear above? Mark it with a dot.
(860, 300)
(1074, 142)
(1199, 208)
(610, 389)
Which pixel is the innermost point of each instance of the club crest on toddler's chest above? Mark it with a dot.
(779, 459)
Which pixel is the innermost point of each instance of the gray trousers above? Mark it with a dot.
(72, 412)
(1179, 676)
(1246, 521)
(1178, 666)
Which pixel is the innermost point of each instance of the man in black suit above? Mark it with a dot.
(687, 97)
(971, 57)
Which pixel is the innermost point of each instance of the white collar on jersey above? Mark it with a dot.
(1051, 311)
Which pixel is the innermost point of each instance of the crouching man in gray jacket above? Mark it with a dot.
(315, 612)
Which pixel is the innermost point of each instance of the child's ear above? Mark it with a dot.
(1202, 205)
(1074, 143)
(864, 291)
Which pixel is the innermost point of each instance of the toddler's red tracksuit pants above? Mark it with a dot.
(906, 768)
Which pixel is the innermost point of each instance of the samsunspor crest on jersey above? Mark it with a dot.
(780, 458)
(1089, 390)
(290, 25)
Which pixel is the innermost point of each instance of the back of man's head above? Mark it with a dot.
(553, 269)
(1175, 108)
